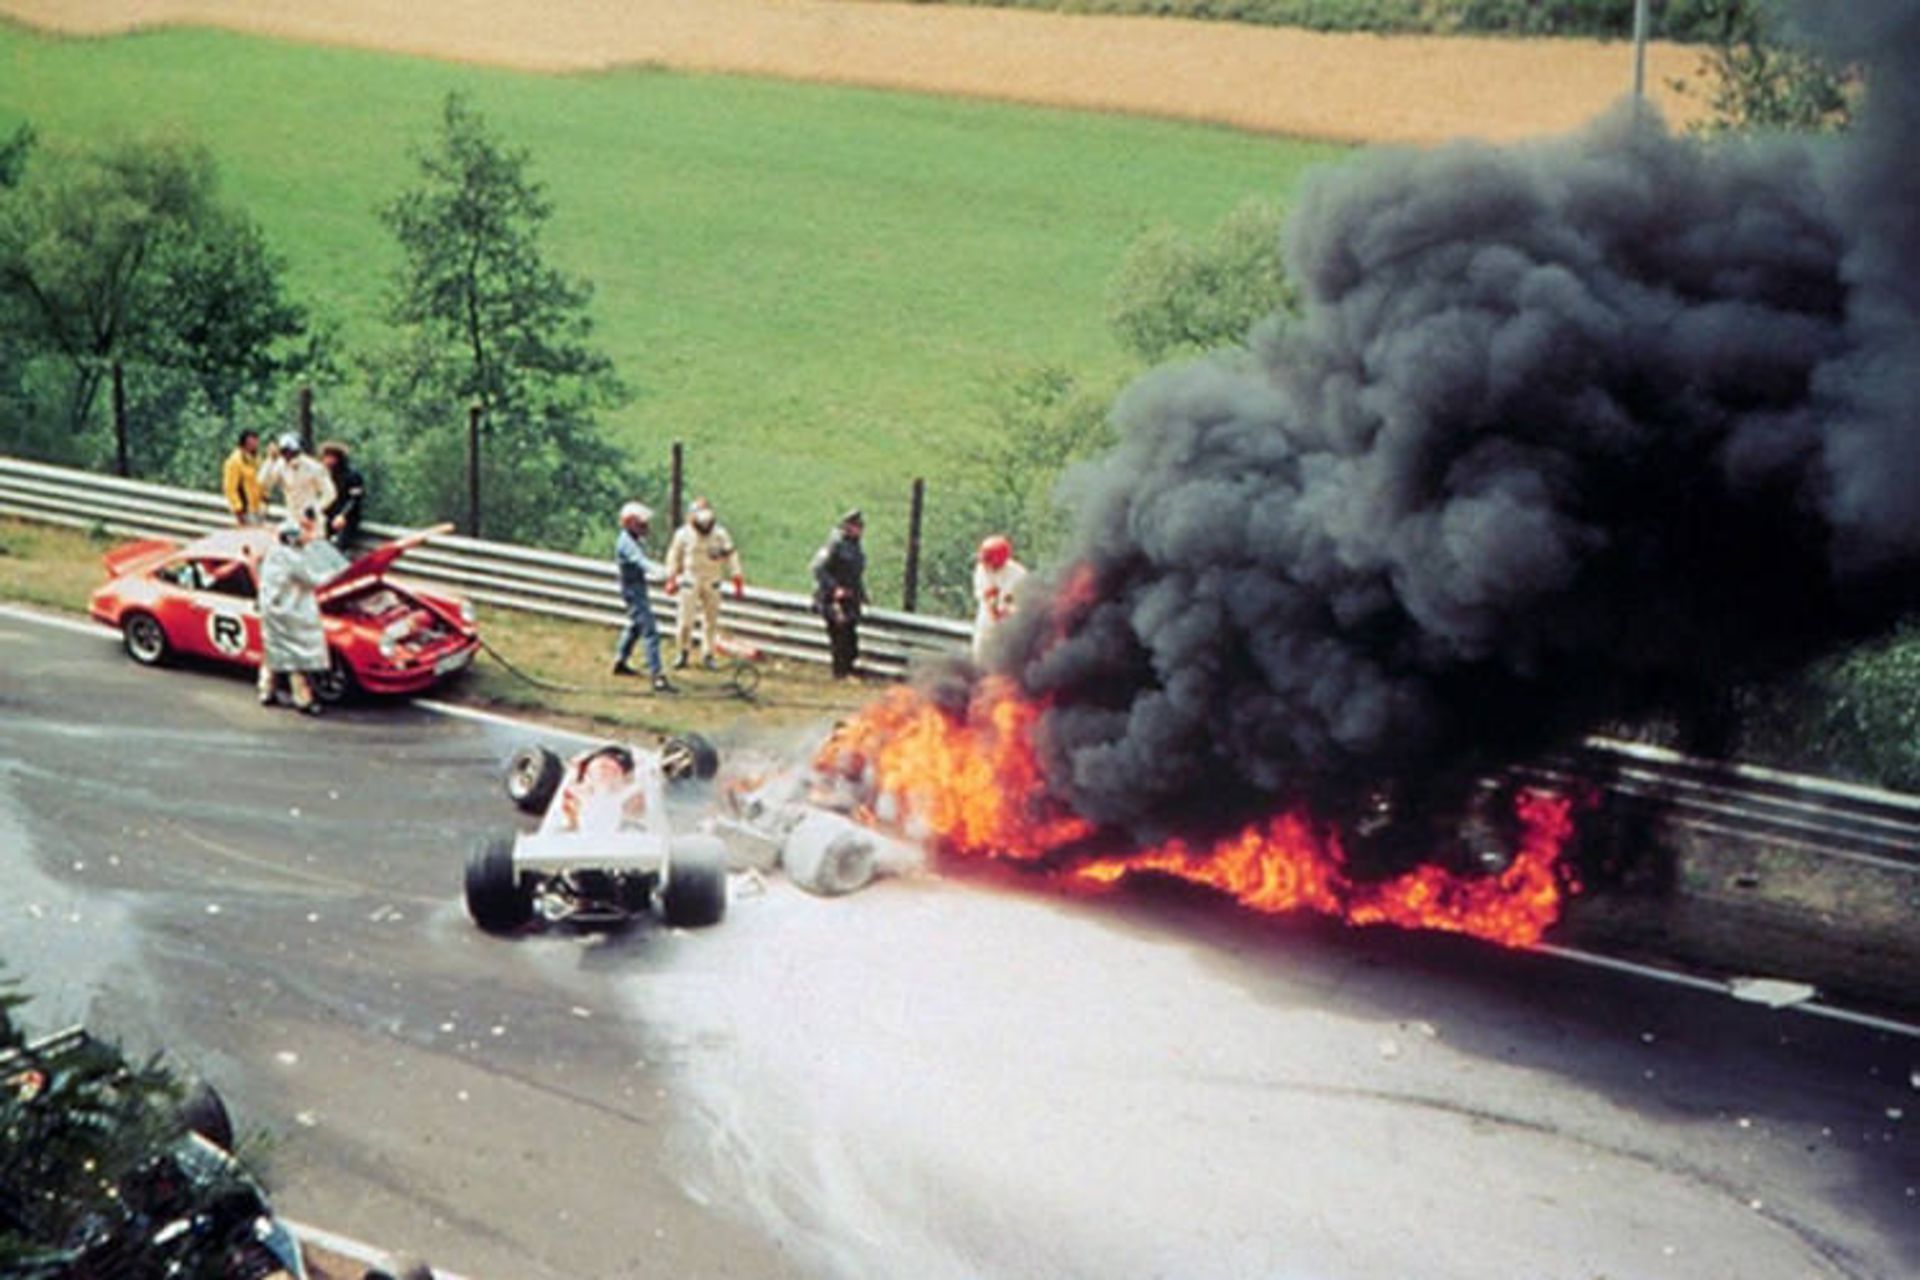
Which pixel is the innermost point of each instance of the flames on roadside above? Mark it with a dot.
(969, 782)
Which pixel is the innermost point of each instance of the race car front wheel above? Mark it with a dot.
(497, 899)
(145, 638)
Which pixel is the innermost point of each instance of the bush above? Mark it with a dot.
(1178, 296)
(1855, 715)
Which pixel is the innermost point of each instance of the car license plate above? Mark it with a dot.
(453, 662)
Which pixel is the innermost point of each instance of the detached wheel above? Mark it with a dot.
(496, 898)
(206, 1114)
(688, 757)
(695, 894)
(336, 684)
(145, 639)
(533, 775)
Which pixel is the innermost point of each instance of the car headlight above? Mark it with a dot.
(468, 614)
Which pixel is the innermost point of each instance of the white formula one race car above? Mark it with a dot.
(604, 851)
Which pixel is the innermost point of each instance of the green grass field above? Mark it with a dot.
(809, 285)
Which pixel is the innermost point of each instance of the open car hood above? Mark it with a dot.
(379, 560)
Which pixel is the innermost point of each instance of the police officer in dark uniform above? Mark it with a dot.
(839, 590)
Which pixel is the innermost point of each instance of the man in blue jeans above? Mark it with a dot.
(629, 554)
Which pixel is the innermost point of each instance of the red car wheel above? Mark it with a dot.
(145, 638)
(336, 684)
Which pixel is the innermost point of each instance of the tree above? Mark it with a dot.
(122, 256)
(1178, 295)
(1042, 420)
(1755, 80)
(484, 320)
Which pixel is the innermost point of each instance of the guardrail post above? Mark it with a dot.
(122, 465)
(473, 470)
(910, 595)
(676, 484)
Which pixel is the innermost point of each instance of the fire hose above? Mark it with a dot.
(742, 681)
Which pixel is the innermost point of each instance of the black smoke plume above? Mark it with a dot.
(1565, 432)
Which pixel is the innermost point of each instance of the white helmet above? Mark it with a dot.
(636, 511)
(290, 443)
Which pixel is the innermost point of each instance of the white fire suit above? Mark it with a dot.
(697, 564)
(305, 485)
(993, 598)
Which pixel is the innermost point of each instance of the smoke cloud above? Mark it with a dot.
(1565, 432)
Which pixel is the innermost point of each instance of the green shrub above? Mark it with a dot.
(1855, 715)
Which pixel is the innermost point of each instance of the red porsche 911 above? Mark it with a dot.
(198, 600)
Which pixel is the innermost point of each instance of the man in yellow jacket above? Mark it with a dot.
(240, 480)
(700, 557)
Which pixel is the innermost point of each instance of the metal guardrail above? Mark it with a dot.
(549, 583)
(1861, 823)
(1749, 802)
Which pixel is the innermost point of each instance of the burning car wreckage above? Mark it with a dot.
(911, 777)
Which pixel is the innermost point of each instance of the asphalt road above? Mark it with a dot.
(928, 1079)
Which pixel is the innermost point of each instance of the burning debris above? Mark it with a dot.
(969, 783)
(818, 823)
(1565, 433)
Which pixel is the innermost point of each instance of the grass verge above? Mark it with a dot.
(58, 568)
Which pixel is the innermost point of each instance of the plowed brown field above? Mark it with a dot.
(1347, 87)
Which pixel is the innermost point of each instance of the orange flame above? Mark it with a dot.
(972, 784)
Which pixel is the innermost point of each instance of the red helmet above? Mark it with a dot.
(996, 551)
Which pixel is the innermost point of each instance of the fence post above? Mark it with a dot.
(121, 462)
(473, 470)
(676, 486)
(910, 598)
(303, 417)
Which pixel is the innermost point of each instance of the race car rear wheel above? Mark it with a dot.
(497, 899)
(145, 639)
(205, 1113)
(533, 775)
(688, 757)
(695, 893)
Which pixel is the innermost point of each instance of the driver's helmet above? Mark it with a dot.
(612, 751)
